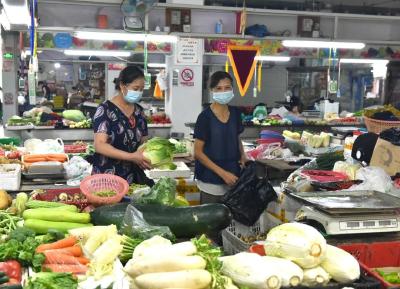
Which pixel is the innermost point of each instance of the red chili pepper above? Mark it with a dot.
(12, 269)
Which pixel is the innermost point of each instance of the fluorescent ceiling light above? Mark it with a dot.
(364, 61)
(105, 36)
(273, 58)
(17, 12)
(115, 53)
(157, 65)
(322, 44)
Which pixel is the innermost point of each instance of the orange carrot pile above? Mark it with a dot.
(64, 256)
(29, 159)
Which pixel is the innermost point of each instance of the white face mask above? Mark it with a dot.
(223, 97)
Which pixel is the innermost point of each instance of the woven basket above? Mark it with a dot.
(104, 182)
(377, 126)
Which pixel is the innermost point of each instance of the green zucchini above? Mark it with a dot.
(109, 215)
(42, 227)
(56, 215)
(184, 222)
(36, 204)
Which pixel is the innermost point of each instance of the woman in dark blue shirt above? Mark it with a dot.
(218, 149)
(120, 127)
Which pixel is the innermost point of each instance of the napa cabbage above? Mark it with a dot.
(160, 152)
(299, 243)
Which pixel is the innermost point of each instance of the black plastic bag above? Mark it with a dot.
(250, 196)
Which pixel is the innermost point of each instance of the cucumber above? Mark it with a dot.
(2, 274)
(184, 222)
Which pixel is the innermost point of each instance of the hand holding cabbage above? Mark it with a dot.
(159, 152)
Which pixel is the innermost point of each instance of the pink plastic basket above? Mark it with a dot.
(103, 182)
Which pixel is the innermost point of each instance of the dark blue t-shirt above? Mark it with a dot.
(221, 144)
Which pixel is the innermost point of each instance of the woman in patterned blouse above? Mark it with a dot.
(120, 127)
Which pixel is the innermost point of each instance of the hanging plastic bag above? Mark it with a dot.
(135, 226)
(374, 179)
(250, 196)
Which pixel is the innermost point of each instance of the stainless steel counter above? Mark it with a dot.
(71, 135)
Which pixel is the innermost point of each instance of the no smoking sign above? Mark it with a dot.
(187, 77)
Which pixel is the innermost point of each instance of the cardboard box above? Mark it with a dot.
(386, 156)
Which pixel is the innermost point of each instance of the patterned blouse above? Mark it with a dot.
(124, 134)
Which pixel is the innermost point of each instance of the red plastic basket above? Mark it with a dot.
(103, 182)
(52, 195)
(376, 255)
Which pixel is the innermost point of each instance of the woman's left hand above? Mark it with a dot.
(139, 159)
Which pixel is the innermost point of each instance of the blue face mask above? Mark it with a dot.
(133, 96)
(223, 97)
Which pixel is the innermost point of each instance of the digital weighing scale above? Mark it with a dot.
(349, 212)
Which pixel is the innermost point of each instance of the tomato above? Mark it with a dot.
(12, 269)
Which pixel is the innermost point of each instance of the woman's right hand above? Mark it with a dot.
(139, 159)
(229, 178)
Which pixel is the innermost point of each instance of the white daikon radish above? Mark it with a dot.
(290, 273)
(136, 267)
(194, 279)
(296, 242)
(178, 249)
(248, 269)
(341, 265)
(315, 277)
(229, 283)
(147, 246)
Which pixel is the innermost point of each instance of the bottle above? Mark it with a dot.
(218, 27)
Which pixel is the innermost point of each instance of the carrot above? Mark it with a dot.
(74, 269)
(34, 160)
(75, 251)
(64, 243)
(56, 258)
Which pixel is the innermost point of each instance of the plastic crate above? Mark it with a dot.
(376, 255)
(52, 195)
(231, 241)
(10, 181)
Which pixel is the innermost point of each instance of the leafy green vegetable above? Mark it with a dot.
(162, 193)
(20, 234)
(22, 246)
(129, 245)
(49, 280)
(392, 277)
(159, 151)
(211, 255)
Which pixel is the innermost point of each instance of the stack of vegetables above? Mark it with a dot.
(64, 256)
(51, 215)
(160, 152)
(157, 264)
(316, 140)
(297, 255)
(102, 245)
